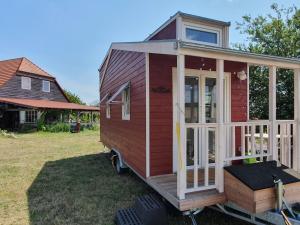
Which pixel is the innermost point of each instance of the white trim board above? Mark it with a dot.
(147, 116)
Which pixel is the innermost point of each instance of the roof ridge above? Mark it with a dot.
(35, 65)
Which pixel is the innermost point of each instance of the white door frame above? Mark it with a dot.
(202, 74)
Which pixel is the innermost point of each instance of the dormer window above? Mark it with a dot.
(203, 35)
(26, 83)
(46, 86)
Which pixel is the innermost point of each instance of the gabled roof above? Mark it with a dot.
(9, 68)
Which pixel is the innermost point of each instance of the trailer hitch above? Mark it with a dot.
(192, 213)
(280, 201)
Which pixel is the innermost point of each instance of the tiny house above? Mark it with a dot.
(175, 110)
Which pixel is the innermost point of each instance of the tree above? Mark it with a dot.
(74, 98)
(276, 34)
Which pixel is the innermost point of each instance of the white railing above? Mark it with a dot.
(285, 136)
(243, 140)
(201, 171)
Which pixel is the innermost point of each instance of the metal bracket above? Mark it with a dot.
(192, 214)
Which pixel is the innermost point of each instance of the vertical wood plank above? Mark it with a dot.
(296, 138)
(233, 141)
(181, 174)
(206, 157)
(272, 112)
(261, 139)
(253, 149)
(195, 157)
(220, 130)
(243, 147)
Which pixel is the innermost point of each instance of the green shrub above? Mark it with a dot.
(56, 127)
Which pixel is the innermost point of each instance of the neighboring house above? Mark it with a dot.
(26, 91)
(175, 109)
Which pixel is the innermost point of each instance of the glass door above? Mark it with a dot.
(192, 106)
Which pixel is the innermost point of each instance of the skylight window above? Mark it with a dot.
(202, 35)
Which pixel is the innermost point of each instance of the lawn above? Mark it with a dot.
(63, 178)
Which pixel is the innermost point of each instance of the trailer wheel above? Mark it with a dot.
(118, 167)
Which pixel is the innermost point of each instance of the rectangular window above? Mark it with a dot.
(108, 111)
(26, 83)
(126, 104)
(202, 36)
(46, 86)
(30, 116)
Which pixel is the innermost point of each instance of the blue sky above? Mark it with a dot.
(69, 38)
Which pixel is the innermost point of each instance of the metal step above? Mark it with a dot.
(151, 210)
(127, 217)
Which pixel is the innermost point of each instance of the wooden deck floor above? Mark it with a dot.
(166, 186)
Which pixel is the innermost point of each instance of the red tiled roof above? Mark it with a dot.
(46, 104)
(29, 67)
(9, 68)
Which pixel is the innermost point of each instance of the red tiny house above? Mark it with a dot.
(189, 101)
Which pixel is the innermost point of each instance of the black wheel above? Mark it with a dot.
(118, 167)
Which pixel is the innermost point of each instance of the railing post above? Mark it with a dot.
(296, 131)
(220, 151)
(272, 113)
(180, 129)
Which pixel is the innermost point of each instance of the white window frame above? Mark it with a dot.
(107, 111)
(33, 115)
(206, 29)
(126, 104)
(26, 83)
(43, 86)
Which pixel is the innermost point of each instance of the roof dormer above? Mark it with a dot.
(191, 28)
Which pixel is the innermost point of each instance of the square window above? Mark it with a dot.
(126, 104)
(46, 86)
(26, 83)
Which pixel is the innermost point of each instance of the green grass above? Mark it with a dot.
(63, 179)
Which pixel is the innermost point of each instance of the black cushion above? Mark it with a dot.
(259, 176)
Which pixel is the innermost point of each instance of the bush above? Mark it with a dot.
(57, 127)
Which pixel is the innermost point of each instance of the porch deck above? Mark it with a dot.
(166, 186)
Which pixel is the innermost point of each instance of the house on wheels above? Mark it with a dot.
(26, 91)
(175, 110)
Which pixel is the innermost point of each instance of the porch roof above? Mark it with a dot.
(175, 47)
(46, 104)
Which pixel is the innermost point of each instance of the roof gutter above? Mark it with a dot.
(233, 52)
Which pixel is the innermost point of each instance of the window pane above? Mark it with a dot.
(26, 83)
(200, 35)
(46, 86)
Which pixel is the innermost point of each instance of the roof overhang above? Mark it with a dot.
(189, 48)
(174, 47)
(46, 104)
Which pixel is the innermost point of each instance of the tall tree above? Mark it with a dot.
(277, 34)
(74, 98)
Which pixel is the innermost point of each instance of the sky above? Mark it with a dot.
(69, 38)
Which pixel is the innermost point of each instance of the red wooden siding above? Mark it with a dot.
(161, 122)
(169, 32)
(126, 136)
(161, 114)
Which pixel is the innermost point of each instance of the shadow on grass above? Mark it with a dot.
(86, 190)
(80, 190)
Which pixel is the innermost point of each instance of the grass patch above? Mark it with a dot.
(63, 178)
